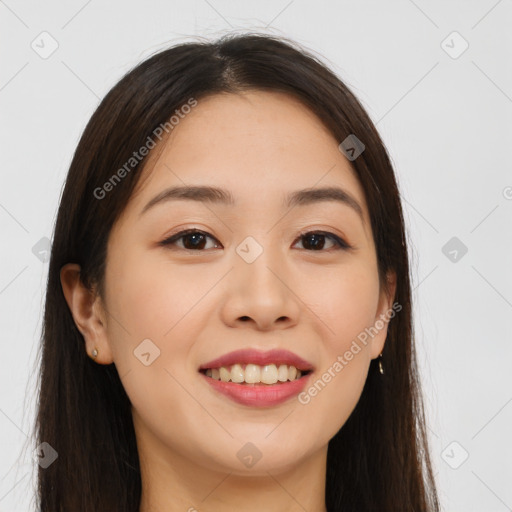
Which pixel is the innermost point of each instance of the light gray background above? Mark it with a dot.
(446, 122)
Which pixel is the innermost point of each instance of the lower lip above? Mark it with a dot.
(259, 395)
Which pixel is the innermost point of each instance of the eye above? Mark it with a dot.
(315, 240)
(195, 240)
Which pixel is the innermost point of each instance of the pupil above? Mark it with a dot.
(315, 244)
(198, 237)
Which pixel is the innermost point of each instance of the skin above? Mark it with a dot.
(196, 306)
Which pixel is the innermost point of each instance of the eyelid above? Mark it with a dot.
(171, 239)
(339, 241)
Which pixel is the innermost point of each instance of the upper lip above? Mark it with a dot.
(252, 356)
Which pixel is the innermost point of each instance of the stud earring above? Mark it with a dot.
(381, 369)
(95, 353)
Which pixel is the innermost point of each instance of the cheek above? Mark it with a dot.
(159, 302)
(347, 306)
(346, 301)
(330, 398)
(152, 299)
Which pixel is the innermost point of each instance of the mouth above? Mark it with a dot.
(257, 379)
(256, 375)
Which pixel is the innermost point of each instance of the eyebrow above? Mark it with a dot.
(216, 195)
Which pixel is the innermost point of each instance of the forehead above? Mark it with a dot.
(258, 145)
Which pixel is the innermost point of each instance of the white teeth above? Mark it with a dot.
(282, 374)
(254, 374)
(237, 373)
(269, 374)
(225, 375)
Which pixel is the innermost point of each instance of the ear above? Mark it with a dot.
(385, 312)
(88, 313)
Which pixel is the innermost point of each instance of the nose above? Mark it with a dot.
(259, 295)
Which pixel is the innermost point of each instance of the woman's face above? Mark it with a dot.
(250, 280)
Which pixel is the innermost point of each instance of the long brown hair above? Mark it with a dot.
(379, 460)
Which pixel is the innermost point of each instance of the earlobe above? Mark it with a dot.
(86, 311)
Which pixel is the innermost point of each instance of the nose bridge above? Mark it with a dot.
(256, 264)
(258, 291)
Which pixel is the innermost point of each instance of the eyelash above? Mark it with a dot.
(339, 242)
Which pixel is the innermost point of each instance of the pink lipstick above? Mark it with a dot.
(259, 394)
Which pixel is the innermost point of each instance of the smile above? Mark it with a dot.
(257, 379)
(254, 374)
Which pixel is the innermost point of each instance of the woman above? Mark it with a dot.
(228, 313)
